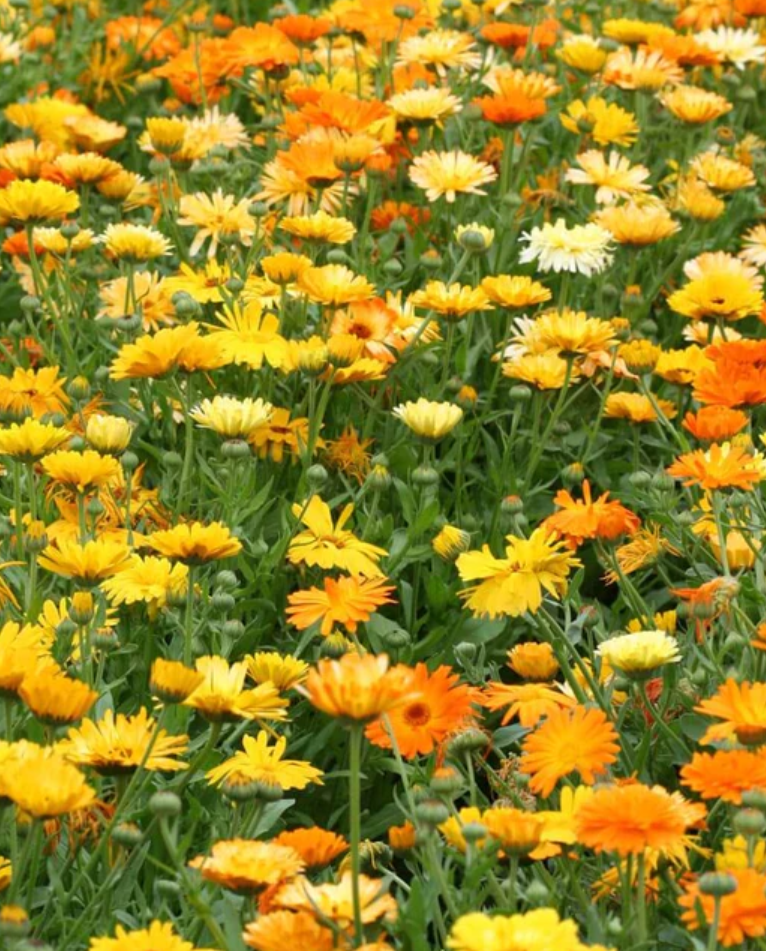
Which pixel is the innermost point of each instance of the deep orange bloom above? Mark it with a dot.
(302, 28)
(578, 740)
(632, 818)
(510, 110)
(714, 423)
(731, 383)
(517, 35)
(263, 46)
(720, 467)
(317, 847)
(348, 601)
(206, 66)
(436, 704)
(529, 702)
(385, 214)
(580, 519)
(742, 914)
(725, 774)
(358, 687)
(742, 710)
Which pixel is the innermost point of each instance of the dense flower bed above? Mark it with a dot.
(380, 429)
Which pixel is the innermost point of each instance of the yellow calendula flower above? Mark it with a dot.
(515, 292)
(232, 418)
(605, 122)
(319, 227)
(133, 242)
(89, 563)
(30, 201)
(640, 654)
(222, 696)
(249, 335)
(108, 434)
(43, 784)
(80, 471)
(428, 419)
(327, 544)
(450, 542)
(451, 301)
(546, 371)
(86, 168)
(195, 543)
(147, 579)
(533, 662)
(583, 52)
(638, 223)
(282, 670)
(424, 106)
(694, 105)
(447, 174)
(258, 762)
(721, 173)
(120, 744)
(172, 682)
(334, 285)
(537, 930)
(31, 440)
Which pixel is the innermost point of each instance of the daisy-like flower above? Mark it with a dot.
(718, 295)
(694, 105)
(642, 69)
(148, 298)
(721, 173)
(216, 217)
(534, 930)
(346, 601)
(246, 865)
(449, 174)
(287, 929)
(334, 901)
(512, 585)
(715, 423)
(546, 371)
(577, 739)
(80, 471)
(511, 292)
(442, 49)
(636, 408)
(429, 420)
(172, 682)
(148, 579)
(43, 784)
(423, 106)
(155, 355)
(109, 435)
(258, 762)
(580, 519)
(358, 687)
(754, 246)
(583, 249)
(638, 223)
(582, 51)
(330, 545)
(639, 655)
(529, 703)
(451, 301)
(517, 830)
(232, 418)
(436, 704)
(195, 543)
(222, 698)
(121, 744)
(89, 563)
(608, 123)
(720, 467)
(31, 440)
(568, 332)
(613, 175)
(249, 335)
(450, 542)
(631, 818)
(132, 242)
(31, 201)
(735, 46)
(54, 697)
(159, 936)
(334, 285)
(741, 708)
(725, 774)
(740, 915)
(317, 847)
(284, 671)
(319, 227)
(533, 662)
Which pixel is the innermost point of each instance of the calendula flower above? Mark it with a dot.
(694, 105)
(31, 440)
(43, 784)
(156, 355)
(546, 371)
(606, 122)
(583, 249)
(571, 740)
(735, 46)
(31, 201)
(715, 423)
(319, 227)
(613, 175)
(172, 682)
(517, 830)
(345, 601)
(80, 471)
(637, 408)
(642, 69)
(195, 543)
(334, 285)
(37, 392)
(579, 519)
(89, 563)
(719, 467)
(334, 901)
(450, 542)
(512, 292)
(721, 173)
(330, 545)
(286, 929)
(222, 697)
(232, 418)
(449, 174)
(108, 434)
(452, 301)
(132, 242)
(582, 51)
(725, 774)
(245, 865)
(640, 654)
(529, 703)
(260, 763)
(569, 332)
(54, 697)
(429, 420)
(216, 217)
(739, 915)
(631, 818)
(512, 585)
(357, 687)
(122, 744)
(436, 704)
(638, 223)
(423, 106)
(284, 671)
(533, 662)
(742, 711)
(442, 49)
(536, 930)
(317, 847)
(159, 936)
(148, 579)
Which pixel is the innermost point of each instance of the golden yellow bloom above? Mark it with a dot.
(31, 440)
(721, 173)
(334, 285)
(638, 223)
(429, 420)
(517, 831)
(452, 301)
(330, 545)
(640, 356)
(642, 69)
(285, 268)
(319, 227)
(260, 763)
(282, 670)
(636, 407)
(232, 418)
(108, 434)
(546, 371)
(633, 32)
(449, 174)
(641, 653)
(133, 242)
(697, 200)
(166, 134)
(151, 300)
(89, 563)
(28, 201)
(534, 662)
(147, 579)
(606, 122)
(222, 697)
(249, 335)
(512, 292)
(450, 542)
(246, 865)
(613, 175)
(423, 106)
(571, 332)
(538, 930)
(442, 49)
(694, 105)
(122, 744)
(683, 366)
(27, 158)
(86, 168)
(195, 543)
(358, 687)
(217, 217)
(55, 698)
(43, 784)
(159, 936)
(583, 52)
(718, 295)
(80, 471)
(54, 242)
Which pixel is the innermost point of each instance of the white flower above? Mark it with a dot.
(739, 47)
(583, 249)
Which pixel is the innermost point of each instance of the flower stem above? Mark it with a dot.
(355, 824)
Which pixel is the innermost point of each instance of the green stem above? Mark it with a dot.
(355, 824)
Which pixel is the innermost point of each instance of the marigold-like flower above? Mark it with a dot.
(537, 930)
(55, 698)
(512, 292)
(715, 423)
(583, 249)
(31, 201)
(155, 355)
(725, 774)
(319, 227)
(334, 901)
(577, 739)
(284, 671)
(43, 784)
(194, 543)
(546, 371)
(222, 697)
(694, 105)
(606, 122)
(159, 936)
(638, 223)
(330, 545)
(134, 242)
(80, 471)
(422, 106)
(436, 704)
(216, 217)
(613, 175)
(631, 818)
(718, 295)
(449, 174)
(640, 654)
(582, 51)
(357, 687)
(146, 579)
(89, 563)
(721, 173)
(517, 830)
(31, 440)
(735, 46)
(636, 408)
(334, 285)
(121, 744)
(452, 301)
(232, 418)
(317, 847)
(108, 434)
(719, 467)
(282, 929)
(642, 69)
(580, 519)
(450, 542)
(740, 915)
(172, 682)
(246, 865)
(258, 762)
(345, 601)
(442, 49)
(514, 584)
(742, 710)
(429, 420)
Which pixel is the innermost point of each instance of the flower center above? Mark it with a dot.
(417, 714)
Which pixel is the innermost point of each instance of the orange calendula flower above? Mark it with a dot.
(581, 519)
(529, 702)
(725, 774)
(632, 818)
(742, 710)
(740, 915)
(357, 687)
(330, 545)
(714, 423)
(436, 704)
(194, 543)
(348, 601)
(719, 467)
(246, 865)
(576, 740)
(317, 847)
